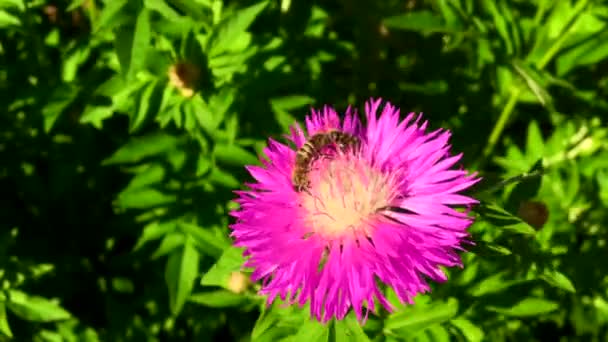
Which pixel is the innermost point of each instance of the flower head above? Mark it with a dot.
(379, 210)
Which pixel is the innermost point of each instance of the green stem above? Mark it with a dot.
(516, 91)
(557, 45)
(502, 121)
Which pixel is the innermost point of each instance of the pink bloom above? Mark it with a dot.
(381, 210)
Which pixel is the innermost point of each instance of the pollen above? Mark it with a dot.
(345, 197)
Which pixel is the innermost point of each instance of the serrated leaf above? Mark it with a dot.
(312, 331)
(141, 147)
(558, 279)
(349, 329)
(4, 327)
(418, 318)
(34, 308)
(218, 299)
(95, 115)
(181, 271)
(232, 27)
(232, 260)
(469, 330)
(527, 307)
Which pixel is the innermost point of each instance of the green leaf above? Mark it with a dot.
(218, 299)
(181, 271)
(263, 326)
(291, 102)
(144, 198)
(170, 242)
(141, 147)
(154, 231)
(19, 4)
(7, 19)
(534, 143)
(469, 330)
(234, 155)
(502, 219)
(152, 174)
(231, 28)
(223, 178)
(489, 249)
(143, 107)
(34, 308)
(349, 329)
(558, 279)
(4, 327)
(494, 283)
(111, 10)
(527, 307)
(61, 98)
(414, 319)
(209, 243)
(421, 21)
(123, 285)
(232, 260)
(163, 9)
(132, 45)
(95, 115)
(312, 331)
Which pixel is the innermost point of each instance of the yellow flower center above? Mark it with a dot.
(345, 195)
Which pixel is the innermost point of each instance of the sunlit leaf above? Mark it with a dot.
(181, 271)
(527, 307)
(349, 329)
(423, 21)
(142, 147)
(470, 331)
(60, 99)
(154, 231)
(502, 219)
(558, 279)
(34, 308)
(313, 331)
(232, 27)
(218, 299)
(231, 260)
(5, 329)
(416, 319)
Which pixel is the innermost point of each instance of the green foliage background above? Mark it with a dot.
(116, 179)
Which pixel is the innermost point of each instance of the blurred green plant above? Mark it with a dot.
(127, 124)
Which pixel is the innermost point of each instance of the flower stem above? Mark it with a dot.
(517, 90)
(502, 121)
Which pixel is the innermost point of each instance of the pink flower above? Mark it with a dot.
(381, 210)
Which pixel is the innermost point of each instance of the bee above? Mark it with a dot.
(312, 150)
